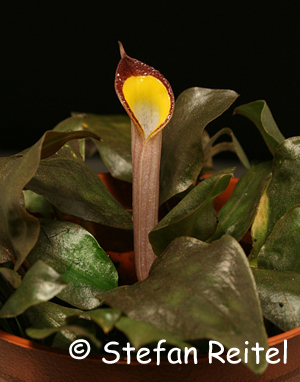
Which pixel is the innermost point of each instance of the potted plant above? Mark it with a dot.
(197, 290)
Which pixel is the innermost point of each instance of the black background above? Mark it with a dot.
(61, 56)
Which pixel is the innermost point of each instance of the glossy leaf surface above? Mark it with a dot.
(279, 294)
(259, 113)
(195, 291)
(40, 284)
(77, 257)
(237, 215)
(194, 215)
(182, 153)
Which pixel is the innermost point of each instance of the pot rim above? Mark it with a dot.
(27, 344)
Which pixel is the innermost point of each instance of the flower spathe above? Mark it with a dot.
(145, 94)
(149, 101)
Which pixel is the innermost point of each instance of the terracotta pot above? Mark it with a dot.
(25, 361)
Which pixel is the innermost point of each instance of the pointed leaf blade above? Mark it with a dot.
(194, 215)
(40, 284)
(281, 194)
(259, 113)
(57, 179)
(194, 109)
(236, 216)
(115, 150)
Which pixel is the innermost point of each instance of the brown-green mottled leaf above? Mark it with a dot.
(210, 150)
(72, 187)
(281, 194)
(194, 215)
(196, 292)
(75, 254)
(279, 293)
(140, 333)
(115, 150)
(237, 215)
(182, 153)
(51, 315)
(259, 113)
(281, 250)
(18, 229)
(105, 318)
(40, 284)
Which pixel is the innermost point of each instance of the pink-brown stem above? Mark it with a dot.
(145, 169)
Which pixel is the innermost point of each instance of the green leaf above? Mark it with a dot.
(210, 150)
(105, 318)
(115, 150)
(182, 153)
(41, 283)
(278, 283)
(11, 276)
(75, 254)
(194, 215)
(281, 194)
(195, 292)
(55, 140)
(237, 215)
(281, 250)
(18, 229)
(78, 330)
(279, 293)
(74, 123)
(259, 113)
(68, 184)
(140, 333)
(51, 315)
(37, 204)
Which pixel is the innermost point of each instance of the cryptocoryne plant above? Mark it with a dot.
(60, 226)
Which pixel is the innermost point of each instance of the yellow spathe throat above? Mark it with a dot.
(149, 101)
